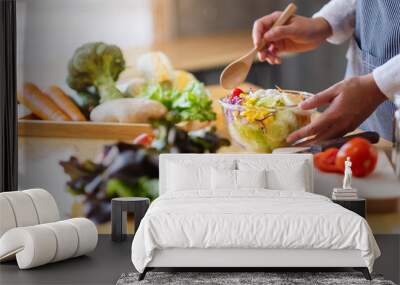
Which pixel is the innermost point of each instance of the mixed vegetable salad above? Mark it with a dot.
(261, 120)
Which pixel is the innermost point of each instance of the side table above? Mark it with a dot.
(119, 209)
(357, 206)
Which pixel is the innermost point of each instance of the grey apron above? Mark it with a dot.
(376, 40)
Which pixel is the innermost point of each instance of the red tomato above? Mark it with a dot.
(363, 156)
(326, 160)
(144, 139)
(236, 91)
(235, 95)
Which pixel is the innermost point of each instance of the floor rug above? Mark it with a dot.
(244, 278)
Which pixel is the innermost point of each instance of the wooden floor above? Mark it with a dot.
(106, 264)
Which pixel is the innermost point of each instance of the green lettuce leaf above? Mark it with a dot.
(193, 104)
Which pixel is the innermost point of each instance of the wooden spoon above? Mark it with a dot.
(236, 72)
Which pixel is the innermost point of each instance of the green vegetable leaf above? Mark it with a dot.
(193, 104)
(117, 188)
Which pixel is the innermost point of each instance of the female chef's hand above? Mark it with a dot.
(350, 101)
(298, 35)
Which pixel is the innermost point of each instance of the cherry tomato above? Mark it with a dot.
(363, 156)
(326, 160)
(235, 95)
(144, 139)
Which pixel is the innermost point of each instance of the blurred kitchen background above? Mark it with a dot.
(201, 36)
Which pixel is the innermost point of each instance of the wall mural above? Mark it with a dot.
(104, 89)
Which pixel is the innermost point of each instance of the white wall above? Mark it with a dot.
(53, 29)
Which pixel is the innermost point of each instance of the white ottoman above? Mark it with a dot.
(31, 233)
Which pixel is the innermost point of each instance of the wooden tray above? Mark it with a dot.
(107, 131)
(81, 130)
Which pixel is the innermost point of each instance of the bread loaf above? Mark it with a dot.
(40, 104)
(128, 110)
(65, 103)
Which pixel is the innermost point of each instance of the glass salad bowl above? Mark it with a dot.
(261, 121)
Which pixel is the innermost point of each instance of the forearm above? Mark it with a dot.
(340, 14)
(387, 77)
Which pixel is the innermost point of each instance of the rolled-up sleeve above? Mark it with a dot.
(387, 77)
(340, 14)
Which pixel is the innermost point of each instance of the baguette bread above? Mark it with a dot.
(65, 103)
(128, 110)
(40, 104)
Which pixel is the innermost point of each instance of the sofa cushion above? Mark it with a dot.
(27, 208)
(45, 243)
(45, 205)
(7, 220)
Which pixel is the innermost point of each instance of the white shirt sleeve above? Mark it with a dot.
(387, 77)
(340, 14)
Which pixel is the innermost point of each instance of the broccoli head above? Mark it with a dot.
(94, 69)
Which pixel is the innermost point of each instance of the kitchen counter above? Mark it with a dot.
(43, 144)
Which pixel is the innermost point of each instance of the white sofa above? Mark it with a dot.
(31, 233)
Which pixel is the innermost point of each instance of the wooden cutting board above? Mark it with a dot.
(381, 188)
(82, 130)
